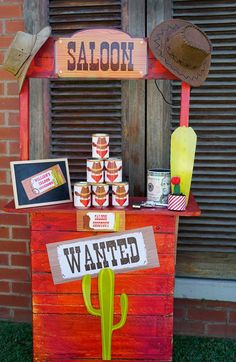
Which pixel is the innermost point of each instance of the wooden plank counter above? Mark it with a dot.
(62, 328)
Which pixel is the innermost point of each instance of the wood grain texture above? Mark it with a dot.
(43, 64)
(24, 121)
(184, 108)
(158, 112)
(61, 321)
(36, 18)
(191, 210)
(143, 239)
(74, 304)
(131, 283)
(40, 263)
(148, 337)
(106, 61)
(62, 221)
(206, 265)
(165, 243)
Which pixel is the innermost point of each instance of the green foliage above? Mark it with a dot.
(202, 349)
(15, 342)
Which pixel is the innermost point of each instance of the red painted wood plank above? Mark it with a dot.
(124, 283)
(40, 264)
(191, 210)
(158, 349)
(135, 326)
(43, 64)
(24, 121)
(64, 340)
(66, 221)
(165, 242)
(156, 70)
(62, 359)
(184, 108)
(74, 304)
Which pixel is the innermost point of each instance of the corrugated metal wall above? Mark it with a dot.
(80, 108)
(212, 115)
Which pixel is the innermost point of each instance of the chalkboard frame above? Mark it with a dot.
(22, 170)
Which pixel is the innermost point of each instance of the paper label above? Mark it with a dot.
(43, 182)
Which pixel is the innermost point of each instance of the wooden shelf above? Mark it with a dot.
(191, 210)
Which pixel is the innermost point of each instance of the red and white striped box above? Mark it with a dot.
(177, 202)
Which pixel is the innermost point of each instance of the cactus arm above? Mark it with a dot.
(86, 289)
(124, 311)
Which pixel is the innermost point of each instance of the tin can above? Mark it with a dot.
(100, 195)
(100, 145)
(113, 170)
(82, 195)
(120, 194)
(95, 171)
(158, 186)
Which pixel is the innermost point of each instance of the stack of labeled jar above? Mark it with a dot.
(102, 173)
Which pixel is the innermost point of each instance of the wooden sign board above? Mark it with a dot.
(40, 182)
(109, 220)
(101, 53)
(122, 252)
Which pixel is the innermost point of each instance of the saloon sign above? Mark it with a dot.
(121, 252)
(101, 53)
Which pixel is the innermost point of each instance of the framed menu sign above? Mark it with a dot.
(40, 182)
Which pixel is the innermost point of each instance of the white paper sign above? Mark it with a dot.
(121, 252)
(101, 221)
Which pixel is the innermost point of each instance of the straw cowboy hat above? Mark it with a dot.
(183, 49)
(22, 51)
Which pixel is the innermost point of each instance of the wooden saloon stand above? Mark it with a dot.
(62, 328)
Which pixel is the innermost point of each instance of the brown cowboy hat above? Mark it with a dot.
(183, 49)
(22, 51)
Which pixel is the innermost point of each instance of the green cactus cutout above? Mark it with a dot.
(106, 311)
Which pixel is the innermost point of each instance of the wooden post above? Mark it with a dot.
(185, 100)
(24, 121)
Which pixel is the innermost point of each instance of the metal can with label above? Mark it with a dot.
(95, 171)
(100, 145)
(120, 194)
(158, 186)
(113, 170)
(82, 195)
(100, 195)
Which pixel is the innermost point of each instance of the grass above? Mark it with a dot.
(16, 346)
(202, 349)
(15, 342)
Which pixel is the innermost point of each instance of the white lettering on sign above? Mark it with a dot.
(78, 259)
(100, 221)
(121, 252)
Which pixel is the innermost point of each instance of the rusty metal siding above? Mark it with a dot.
(212, 116)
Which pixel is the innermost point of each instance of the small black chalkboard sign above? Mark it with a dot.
(40, 182)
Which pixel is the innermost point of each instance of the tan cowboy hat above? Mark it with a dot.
(22, 51)
(183, 49)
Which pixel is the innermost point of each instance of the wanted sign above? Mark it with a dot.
(121, 252)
